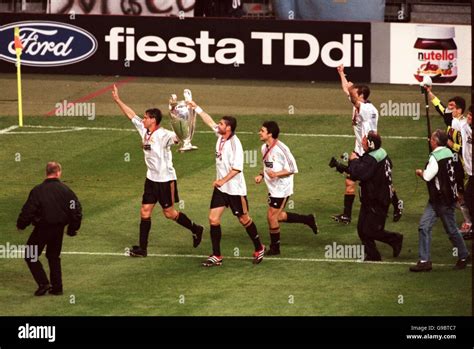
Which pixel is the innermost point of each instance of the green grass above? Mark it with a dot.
(110, 190)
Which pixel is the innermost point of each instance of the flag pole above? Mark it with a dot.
(427, 82)
(18, 48)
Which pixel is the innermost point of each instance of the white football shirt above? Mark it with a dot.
(364, 121)
(458, 123)
(230, 155)
(466, 134)
(158, 158)
(277, 158)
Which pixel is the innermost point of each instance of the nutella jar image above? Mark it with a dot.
(436, 54)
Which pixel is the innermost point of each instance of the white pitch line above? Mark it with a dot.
(59, 129)
(84, 128)
(75, 129)
(45, 126)
(346, 136)
(286, 259)
(6, 130)
(80, 128)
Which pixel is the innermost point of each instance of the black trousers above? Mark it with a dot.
(50, 237)
(371, 228)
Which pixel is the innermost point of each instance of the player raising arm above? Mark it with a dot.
(161, 182)
(364, 119)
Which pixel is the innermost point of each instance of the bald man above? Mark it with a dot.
(51, 206)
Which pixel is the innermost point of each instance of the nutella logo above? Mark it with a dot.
(436, 54)
(444, 55)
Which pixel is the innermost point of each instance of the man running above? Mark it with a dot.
(160, 182)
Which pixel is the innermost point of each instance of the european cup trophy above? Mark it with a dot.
(183, 120)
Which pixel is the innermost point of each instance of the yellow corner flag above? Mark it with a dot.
(18, 49)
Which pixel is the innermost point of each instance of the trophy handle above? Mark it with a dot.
(188, 96)
(173, 102)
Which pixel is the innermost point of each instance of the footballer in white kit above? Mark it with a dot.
(230, 189)
(160, 183)
(466, 132)
(279, 167)
(364, 119)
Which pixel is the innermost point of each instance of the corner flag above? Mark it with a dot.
(18, 49)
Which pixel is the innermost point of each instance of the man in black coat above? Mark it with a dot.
(374, 171)
(51, 206)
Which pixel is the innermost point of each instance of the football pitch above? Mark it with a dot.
(103, 163)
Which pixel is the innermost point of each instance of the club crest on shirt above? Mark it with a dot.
(268, 164)
(148, 142)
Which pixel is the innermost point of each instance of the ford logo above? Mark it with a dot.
(47, 44)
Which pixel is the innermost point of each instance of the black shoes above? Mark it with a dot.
(136, 251)
(273, 251)
(42, 290)
(397, 247)
(421, 267)
(462, 263)
(426, 266)
(56, 291)
(197, 235)
(312, 223)
(342, 218)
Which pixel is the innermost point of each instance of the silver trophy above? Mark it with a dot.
(183, 120)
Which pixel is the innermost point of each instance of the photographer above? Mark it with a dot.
(374, 171)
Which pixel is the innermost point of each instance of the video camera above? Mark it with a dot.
(340, 167)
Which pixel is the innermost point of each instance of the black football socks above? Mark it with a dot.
(275, 239)
(253, 234)
(184, 221)
(216, 234)
(297, 218)
(145, 226)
